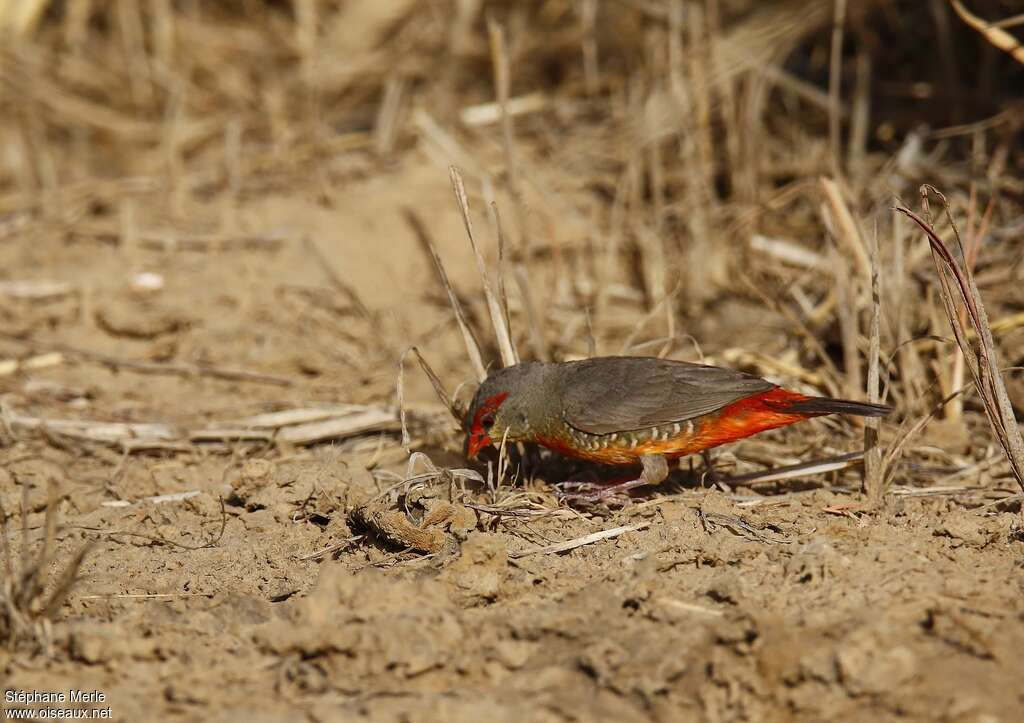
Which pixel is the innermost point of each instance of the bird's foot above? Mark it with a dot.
(595, 492)
(655, 470)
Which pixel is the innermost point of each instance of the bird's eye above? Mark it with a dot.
(487, 421)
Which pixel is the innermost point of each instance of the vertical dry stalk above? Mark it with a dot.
(727, 95)
(129, 19)
(976, 230)
(653, 266)
(172, 142)
(537, 341)
(834, 82)
(860, 121)
(501, 331)
(699, 64)
(655, 164)
(389, 113)
(472, 347)
(499, 233)
(502, 86)
(846, 309)
(981, 356)
(19, 18)
(163, 32)
(846, 229)
(873, 482)
(701, 261)
(591, 69)
(233, 171)
(435, 382)
(347, 290)
(847, 234)
(910, 364)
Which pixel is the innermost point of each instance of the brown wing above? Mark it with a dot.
(619, 394)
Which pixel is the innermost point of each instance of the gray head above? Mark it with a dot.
(506, 406)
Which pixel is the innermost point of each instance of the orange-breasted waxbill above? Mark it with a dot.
(635, 410)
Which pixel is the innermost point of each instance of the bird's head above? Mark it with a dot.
(504, 407)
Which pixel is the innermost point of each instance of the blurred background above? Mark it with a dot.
(655, 162)
(213, 211)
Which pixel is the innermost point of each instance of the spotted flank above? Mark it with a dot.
(624, 447)
(678, 439)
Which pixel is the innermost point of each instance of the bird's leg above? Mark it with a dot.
(711, 473)
(655, 471)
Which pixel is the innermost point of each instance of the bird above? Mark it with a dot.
(625, 410)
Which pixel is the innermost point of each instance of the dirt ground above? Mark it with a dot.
(251, 579)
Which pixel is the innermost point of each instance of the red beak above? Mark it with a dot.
(477, 442)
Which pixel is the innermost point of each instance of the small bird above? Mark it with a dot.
(635, 410)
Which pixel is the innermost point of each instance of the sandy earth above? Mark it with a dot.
(802, 604)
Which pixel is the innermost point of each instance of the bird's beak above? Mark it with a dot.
(475, 443)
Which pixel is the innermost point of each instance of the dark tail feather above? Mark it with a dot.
(824, 405)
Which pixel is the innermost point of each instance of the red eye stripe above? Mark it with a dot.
(490, 406)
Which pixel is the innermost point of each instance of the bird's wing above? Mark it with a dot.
(619, 394)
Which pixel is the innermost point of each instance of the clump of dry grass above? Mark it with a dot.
(966, 313)
(30, 598)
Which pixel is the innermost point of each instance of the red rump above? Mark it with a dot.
(748, 416)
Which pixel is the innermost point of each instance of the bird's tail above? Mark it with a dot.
(816, 406)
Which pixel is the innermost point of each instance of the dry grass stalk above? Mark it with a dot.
(488, 113)
(499, 233)
(498, 316)
(975, 232)
(981, 356)
(38, 361)
(476, 359)
(367, 420)
(726, 93)
(451, 404)
(502, 85)
(28, 602)
(860, 120)
(872, 452)
(898, 445)
(334, 277)
(18, 18)
(36, 290)
(847, 232)
(537, 339)
(801, 470)
(145, 367)
(911, 367)
(846, 309)
(435, 382)
(93, 431)
(443, 146)
(388, 123)
(788, 252)
(992, 32)
(834, 80)
(587, 10)
(579, 541)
